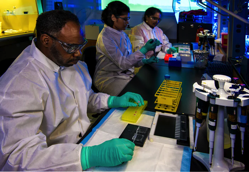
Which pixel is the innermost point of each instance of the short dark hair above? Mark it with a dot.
(116, 8)
(151, 11)
(53, 21)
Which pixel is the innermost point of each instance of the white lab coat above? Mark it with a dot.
(141, 33)
(115, 61)
(43, 112)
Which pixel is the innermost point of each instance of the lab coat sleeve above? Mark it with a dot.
(112, 51)
(137, 39)
(23, 146)
(98, 102)
(166, 44)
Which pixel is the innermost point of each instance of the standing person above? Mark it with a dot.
(45, 96)
(115, 60)
(147, 30)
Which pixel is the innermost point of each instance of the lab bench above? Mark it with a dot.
(147, 81)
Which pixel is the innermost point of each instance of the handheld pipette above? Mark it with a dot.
(154, 50)
(201, 113)
(235, 80)
(211, 43)
(242, 119)
(205, 107)
(212, 126)
(232, 125)
(198, 118)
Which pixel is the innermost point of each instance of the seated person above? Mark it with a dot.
(115, 60)
(147, 30)
(45, 96)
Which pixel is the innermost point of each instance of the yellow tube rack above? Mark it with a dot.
(168, 95)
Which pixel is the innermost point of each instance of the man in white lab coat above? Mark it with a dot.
(44, 99)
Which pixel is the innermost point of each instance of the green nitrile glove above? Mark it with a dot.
(150, 45)
(126, 100)
(110, 153)
(153, 59)
(171, 50)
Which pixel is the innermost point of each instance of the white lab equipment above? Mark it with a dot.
(226, 96)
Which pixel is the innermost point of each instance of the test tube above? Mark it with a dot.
(212, 126)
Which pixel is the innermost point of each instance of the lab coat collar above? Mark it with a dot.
(113, 30)
(38, 55)
(148, 27)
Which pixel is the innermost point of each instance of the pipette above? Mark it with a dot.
(201, 42)
(242, 119)
(232, 125)
(201, 113)
(212, 126)
(205, 107)
(242, 86)
(198, 118)
(211, 43)
(235, 80)
(154, 50)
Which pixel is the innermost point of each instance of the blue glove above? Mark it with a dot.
(126, 100)
(110, 153)
(171, 50)
(150, 45)
(153, 59)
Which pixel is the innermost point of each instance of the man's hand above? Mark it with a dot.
(110, 153)
(126, 100)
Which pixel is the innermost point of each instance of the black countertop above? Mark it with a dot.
(149, 78)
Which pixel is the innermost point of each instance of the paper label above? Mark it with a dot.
(233, 127)
(211, 123)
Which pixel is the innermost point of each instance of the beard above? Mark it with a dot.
(56, 55)
(58, 58)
